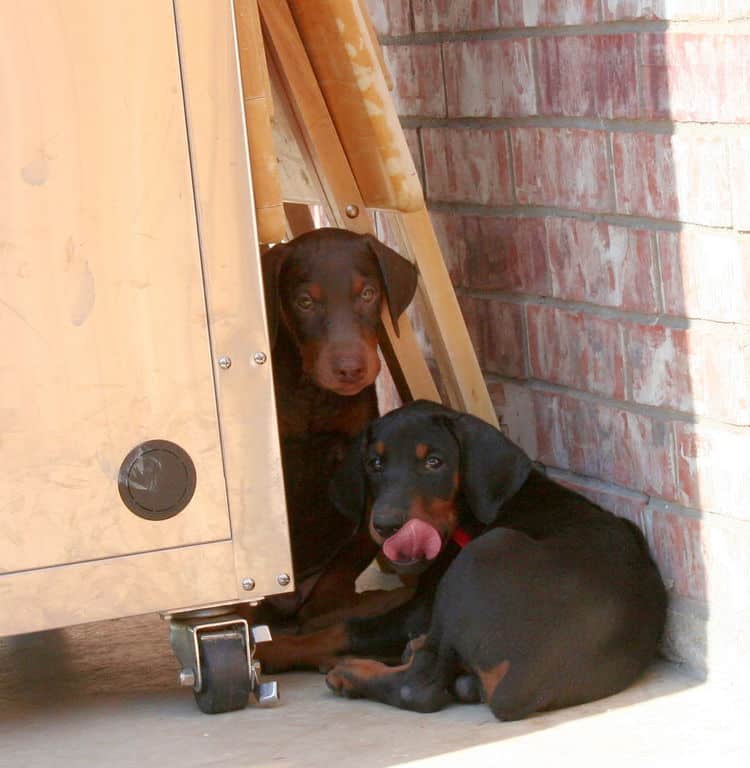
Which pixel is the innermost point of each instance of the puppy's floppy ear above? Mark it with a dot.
(493, 468)
(271, 262)
(399, 278)
(348, 488)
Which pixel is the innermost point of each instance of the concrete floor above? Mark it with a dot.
(106, 695)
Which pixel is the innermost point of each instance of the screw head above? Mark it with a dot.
(283, 579)
(248, 584)
(225, 362)
(260, 358)
(352, 211)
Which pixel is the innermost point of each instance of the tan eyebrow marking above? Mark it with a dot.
(315, 291)
(380, 447)
(421, 451)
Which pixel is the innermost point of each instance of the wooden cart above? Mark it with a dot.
(140, 466)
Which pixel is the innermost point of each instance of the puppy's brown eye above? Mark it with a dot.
(304, 301)
(368, 293)
(433, 462)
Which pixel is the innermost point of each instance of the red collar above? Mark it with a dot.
(461, 537)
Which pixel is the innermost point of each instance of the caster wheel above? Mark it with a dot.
(224, 671)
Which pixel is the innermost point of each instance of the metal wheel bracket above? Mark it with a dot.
(188, 634)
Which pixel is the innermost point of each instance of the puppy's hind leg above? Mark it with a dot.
(420, 685)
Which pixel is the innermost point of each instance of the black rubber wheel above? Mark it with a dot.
(226, 677)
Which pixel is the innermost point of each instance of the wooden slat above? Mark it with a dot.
(454, 353)
(375, 44)
(316, 127)
(335, 174)
(258, 109)
(340, 48)
(234, 294)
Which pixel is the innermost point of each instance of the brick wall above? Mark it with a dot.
(587, 166)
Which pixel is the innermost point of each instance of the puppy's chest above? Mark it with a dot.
(306, 410)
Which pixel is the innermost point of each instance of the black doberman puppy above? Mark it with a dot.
(531, 597)
(325, 292)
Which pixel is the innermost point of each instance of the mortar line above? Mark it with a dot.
(630, 221)
(697, 128)
(597, 29)
(608, 312)
(661, 414)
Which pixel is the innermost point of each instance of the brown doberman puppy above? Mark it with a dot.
(530, 596)
(325, 291)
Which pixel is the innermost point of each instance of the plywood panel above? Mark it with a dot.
(256, 91)
(102, 311)
(121, 586)
(299, 182)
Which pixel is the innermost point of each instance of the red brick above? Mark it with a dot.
(696, 371)
(561, 166)
(515, 408)
(532, 13)
(576, 349)
(608, 443)
(706, 274)
(675, 543)
(660, 370)
(713, 467)
(696, 77)
(602, 264)
(467, 166)
(504, 254)
(660, 9)
(449, 230)
(496, 329)
(681, 177)
(418, 73)
(390, 17)
(707, 559)
(588, 76)
(739, 147)
(615, 500)
(489, 78)
(452, 16)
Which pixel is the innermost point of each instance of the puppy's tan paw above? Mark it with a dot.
(342, 681)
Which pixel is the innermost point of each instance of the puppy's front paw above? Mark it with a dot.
(342, 681)
(350, 676)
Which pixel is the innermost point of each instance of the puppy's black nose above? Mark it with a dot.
(387, 523)
(349, 370)
(386, 531)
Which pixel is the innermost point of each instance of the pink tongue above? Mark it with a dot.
(414, 540)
